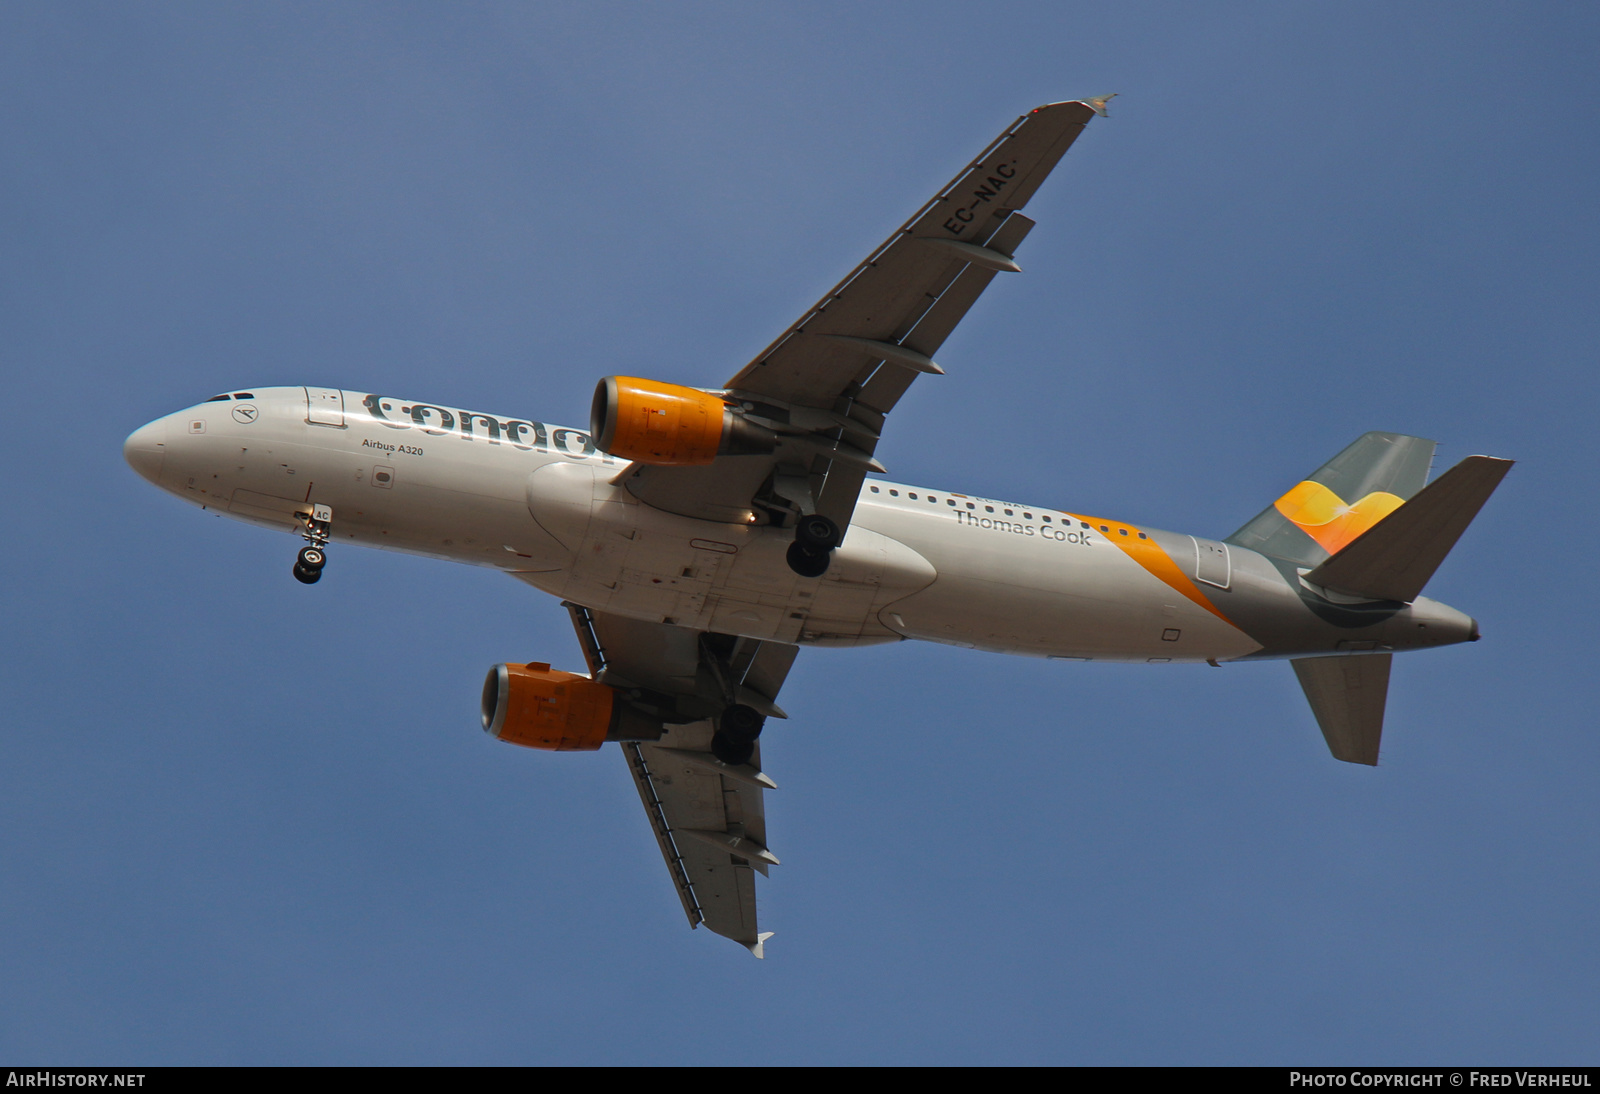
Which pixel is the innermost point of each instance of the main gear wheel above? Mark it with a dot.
(734, 742)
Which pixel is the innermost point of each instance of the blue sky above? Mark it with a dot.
(244, 821)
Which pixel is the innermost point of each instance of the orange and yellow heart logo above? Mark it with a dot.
(1324, 516)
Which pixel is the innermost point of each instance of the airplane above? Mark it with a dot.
(699, 537)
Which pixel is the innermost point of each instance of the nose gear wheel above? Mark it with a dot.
(315, 529)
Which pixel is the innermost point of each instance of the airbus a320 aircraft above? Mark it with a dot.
(700, 537)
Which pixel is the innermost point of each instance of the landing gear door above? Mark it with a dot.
(325, 406)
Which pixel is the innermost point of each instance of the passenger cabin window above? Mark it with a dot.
(875, 490)
(988, 508)
(894, 493)
(912, 496)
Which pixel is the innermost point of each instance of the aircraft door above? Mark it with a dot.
(325, 406)
(1212, 565)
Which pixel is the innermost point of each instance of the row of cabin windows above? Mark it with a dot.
(912, 494)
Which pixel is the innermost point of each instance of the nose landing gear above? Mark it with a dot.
(815, 537)
(308, 564)
(314, 528)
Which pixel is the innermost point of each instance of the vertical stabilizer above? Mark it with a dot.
(1342, 499)
(1347, 695)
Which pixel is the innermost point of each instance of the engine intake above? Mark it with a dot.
(670, 426)
(536, 706)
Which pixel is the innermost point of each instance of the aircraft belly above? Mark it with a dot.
(643, 563)
(870, 571)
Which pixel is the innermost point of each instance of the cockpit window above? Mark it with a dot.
(243, 395)
(218, 398)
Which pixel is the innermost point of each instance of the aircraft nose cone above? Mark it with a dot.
(145, 450)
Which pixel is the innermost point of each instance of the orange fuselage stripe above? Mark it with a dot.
(1148, 554)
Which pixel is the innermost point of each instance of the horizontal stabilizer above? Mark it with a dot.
(1394, 558)
(1347, 695)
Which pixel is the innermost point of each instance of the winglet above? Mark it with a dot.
(760, 942)
(1099, 105)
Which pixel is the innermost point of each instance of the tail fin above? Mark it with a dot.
(1377, 474)
(1347, 695)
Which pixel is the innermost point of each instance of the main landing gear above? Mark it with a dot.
(815, 537)
(734, 742)
(314, 527)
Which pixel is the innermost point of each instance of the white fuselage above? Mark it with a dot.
(539, 503)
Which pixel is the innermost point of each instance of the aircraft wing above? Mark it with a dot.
(827, 383)
(708, 817)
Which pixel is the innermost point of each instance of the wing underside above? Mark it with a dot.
(708, 817)
(692, 809)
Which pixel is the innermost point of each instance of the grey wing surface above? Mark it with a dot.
(827, 383)
(708, 817)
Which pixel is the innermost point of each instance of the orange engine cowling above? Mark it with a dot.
(539, 707)
(669, 425)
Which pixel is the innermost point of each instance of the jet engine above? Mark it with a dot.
(536, 706)
(668, 425)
